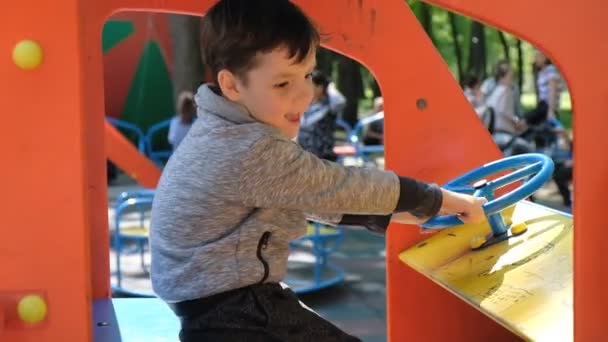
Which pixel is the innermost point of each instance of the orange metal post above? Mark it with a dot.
(56, 159)
(122, 152)
(45, 174)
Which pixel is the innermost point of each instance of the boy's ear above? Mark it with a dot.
(228, 83)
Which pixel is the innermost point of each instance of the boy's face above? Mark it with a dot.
(278, 90)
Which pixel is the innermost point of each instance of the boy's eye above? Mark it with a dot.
(309, 75)
(281, 85)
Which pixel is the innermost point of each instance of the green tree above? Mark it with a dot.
(187, 61)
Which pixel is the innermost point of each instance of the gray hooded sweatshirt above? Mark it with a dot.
(236, 192)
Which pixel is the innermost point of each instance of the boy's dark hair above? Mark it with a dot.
(234, 31)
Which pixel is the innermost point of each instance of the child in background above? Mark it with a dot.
(318, 124)
(181, 123)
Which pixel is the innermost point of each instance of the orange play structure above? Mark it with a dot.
(54, 246)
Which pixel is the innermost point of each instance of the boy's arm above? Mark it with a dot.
(374, 223)
(277, 173)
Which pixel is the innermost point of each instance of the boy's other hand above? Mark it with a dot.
(468, 208)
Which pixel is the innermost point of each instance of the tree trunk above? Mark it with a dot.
(520, 65)
(505, 45)
(325, 59)
(477, 54)
(457, 47)
(351, 86)
(426, 19)
(187, 61)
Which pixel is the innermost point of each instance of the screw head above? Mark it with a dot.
(421, 103)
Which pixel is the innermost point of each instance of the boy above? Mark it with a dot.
(237, 189)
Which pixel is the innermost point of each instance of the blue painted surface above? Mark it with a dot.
(323, 246)
(539, 166)
(129, 127)
(134, 320)
(105, 324)
(157, 155)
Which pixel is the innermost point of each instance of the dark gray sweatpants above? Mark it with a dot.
(264, 312)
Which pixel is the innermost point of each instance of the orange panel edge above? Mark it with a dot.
(71, 199)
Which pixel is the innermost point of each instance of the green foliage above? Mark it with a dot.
(440, 29)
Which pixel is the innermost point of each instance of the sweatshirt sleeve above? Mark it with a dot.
(374, 223)
(278, 173)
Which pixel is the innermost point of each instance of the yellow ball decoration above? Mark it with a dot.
(32, 309)
(27, 54)
(519, 228)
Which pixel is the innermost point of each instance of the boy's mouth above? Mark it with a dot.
(293, 117)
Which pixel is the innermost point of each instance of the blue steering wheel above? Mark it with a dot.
(538, 166)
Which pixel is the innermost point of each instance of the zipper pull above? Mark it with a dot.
(264, 240)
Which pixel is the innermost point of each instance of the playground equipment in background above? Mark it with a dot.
(354, 146)
(541, 135)
(321, 241)
(447, 140)
(133, 230)
(138, 65)
(130, 129)
(158, 156)
(146, 142)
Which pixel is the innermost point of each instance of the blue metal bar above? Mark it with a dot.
(126, 201)
(345, 126)
(355, 135)
(152, 131)
(371, 149)
(497, 224)
(125, 195)
(132, 128)
(499, 165)
(514, 176)
(527, 189)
